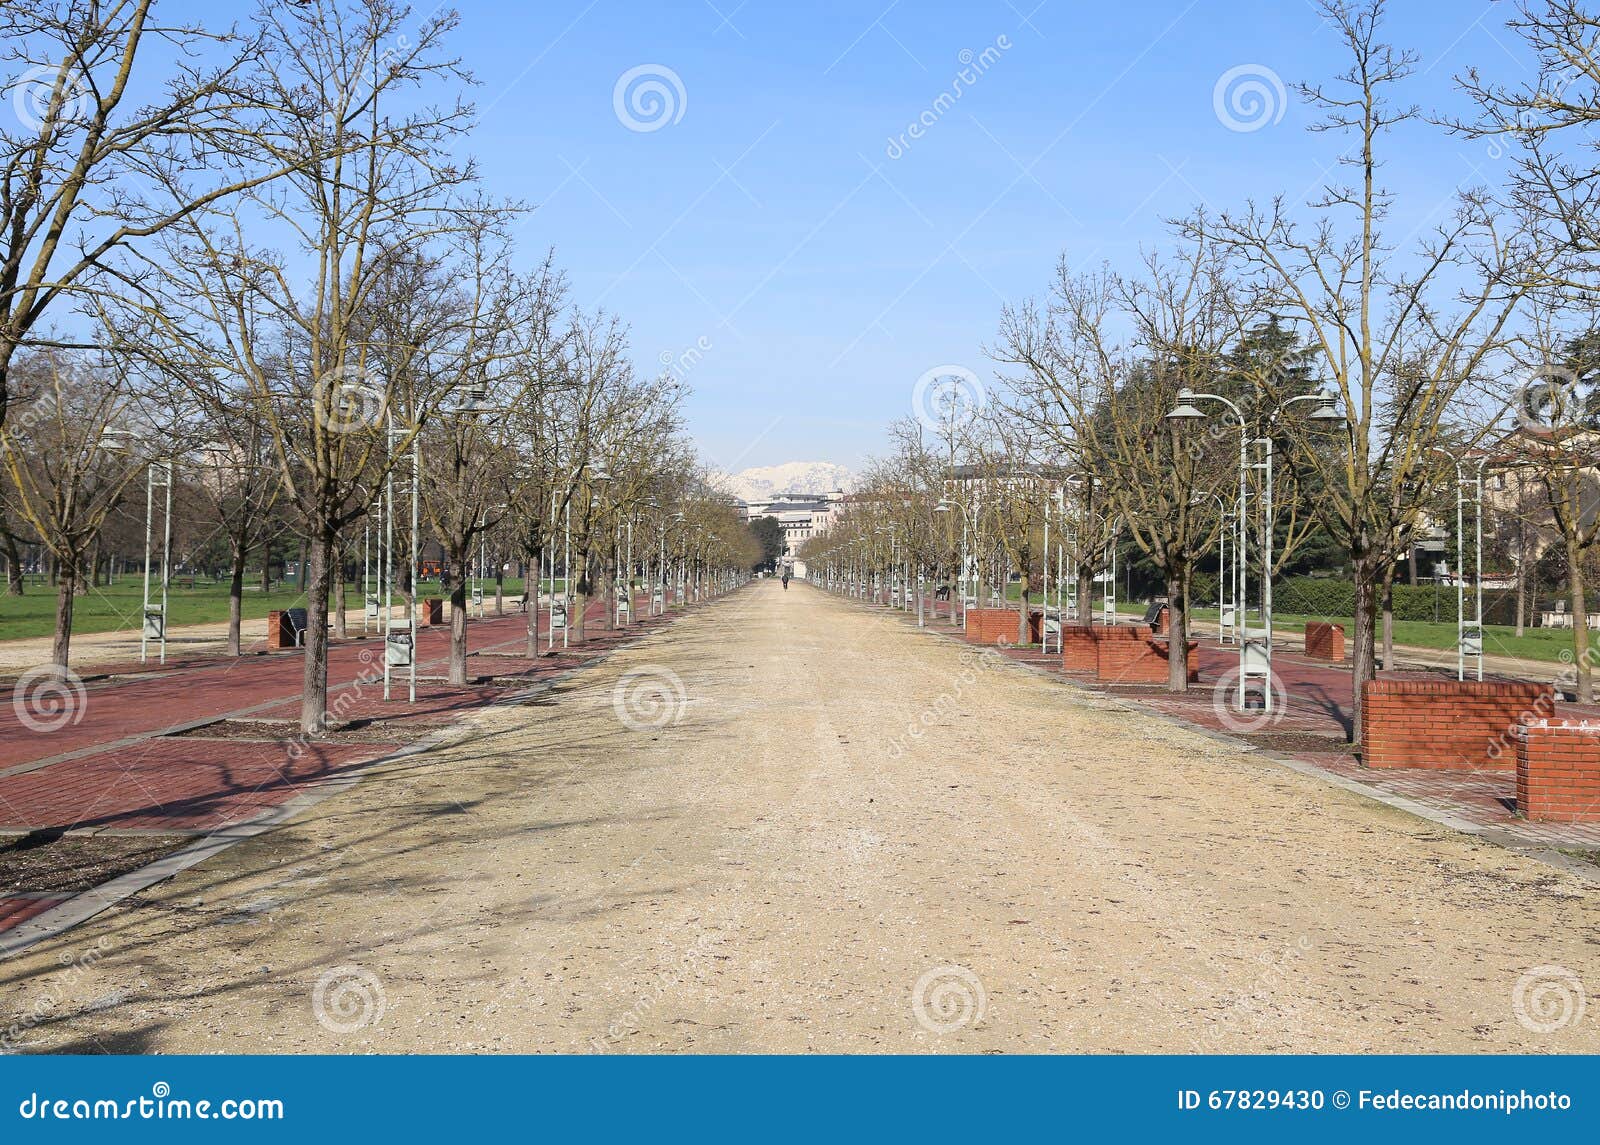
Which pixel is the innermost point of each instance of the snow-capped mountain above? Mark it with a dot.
(763, 482)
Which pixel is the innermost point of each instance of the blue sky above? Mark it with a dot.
(763, 218)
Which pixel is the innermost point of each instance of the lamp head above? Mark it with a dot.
(1185, 410)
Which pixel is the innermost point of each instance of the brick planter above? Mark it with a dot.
(1433, 723)
(999, 626)
(1077, 648)
(1324, 641)
(279, 634)
(1128, 655)
(433, 610)
(1558, 771)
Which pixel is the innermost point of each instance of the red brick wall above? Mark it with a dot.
(1077, 648)
(998, 626)
(1412, 722)
(1558, 771)
(432, 610)
(1324, 641)
(1128, 655)
(278, 635)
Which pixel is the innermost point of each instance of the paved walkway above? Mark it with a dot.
(789, 823)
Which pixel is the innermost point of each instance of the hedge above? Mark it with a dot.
(1319, 596)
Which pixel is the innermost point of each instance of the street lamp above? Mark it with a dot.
(1254, 660)
(1226, 618)
(157, 474)
(1325, 410)
(1469, 635)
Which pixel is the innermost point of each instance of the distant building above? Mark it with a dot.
(802, 515)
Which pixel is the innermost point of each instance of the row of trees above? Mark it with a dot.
(1416, 350)
(278, 276)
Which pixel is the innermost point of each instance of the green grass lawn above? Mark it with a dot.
(110, 608)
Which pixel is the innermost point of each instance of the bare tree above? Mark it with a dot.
(1403, 340)
(76, 172)
(69, 455)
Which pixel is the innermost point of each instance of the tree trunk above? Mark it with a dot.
(1085, 594)
(1388, 622)
(611, 593)
(266, 567)
(66, 597)
(1362, 668)
(314, 688)
(531, 587)
(13, 551)
(1178, 632)
(458, 616)
(1522, 592)
(1022, 612)
(235, 599)
(580, 597)
(340, 631)
(1580, 623)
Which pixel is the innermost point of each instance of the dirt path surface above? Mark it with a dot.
(726, 838)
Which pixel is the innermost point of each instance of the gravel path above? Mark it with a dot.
(825, 830)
